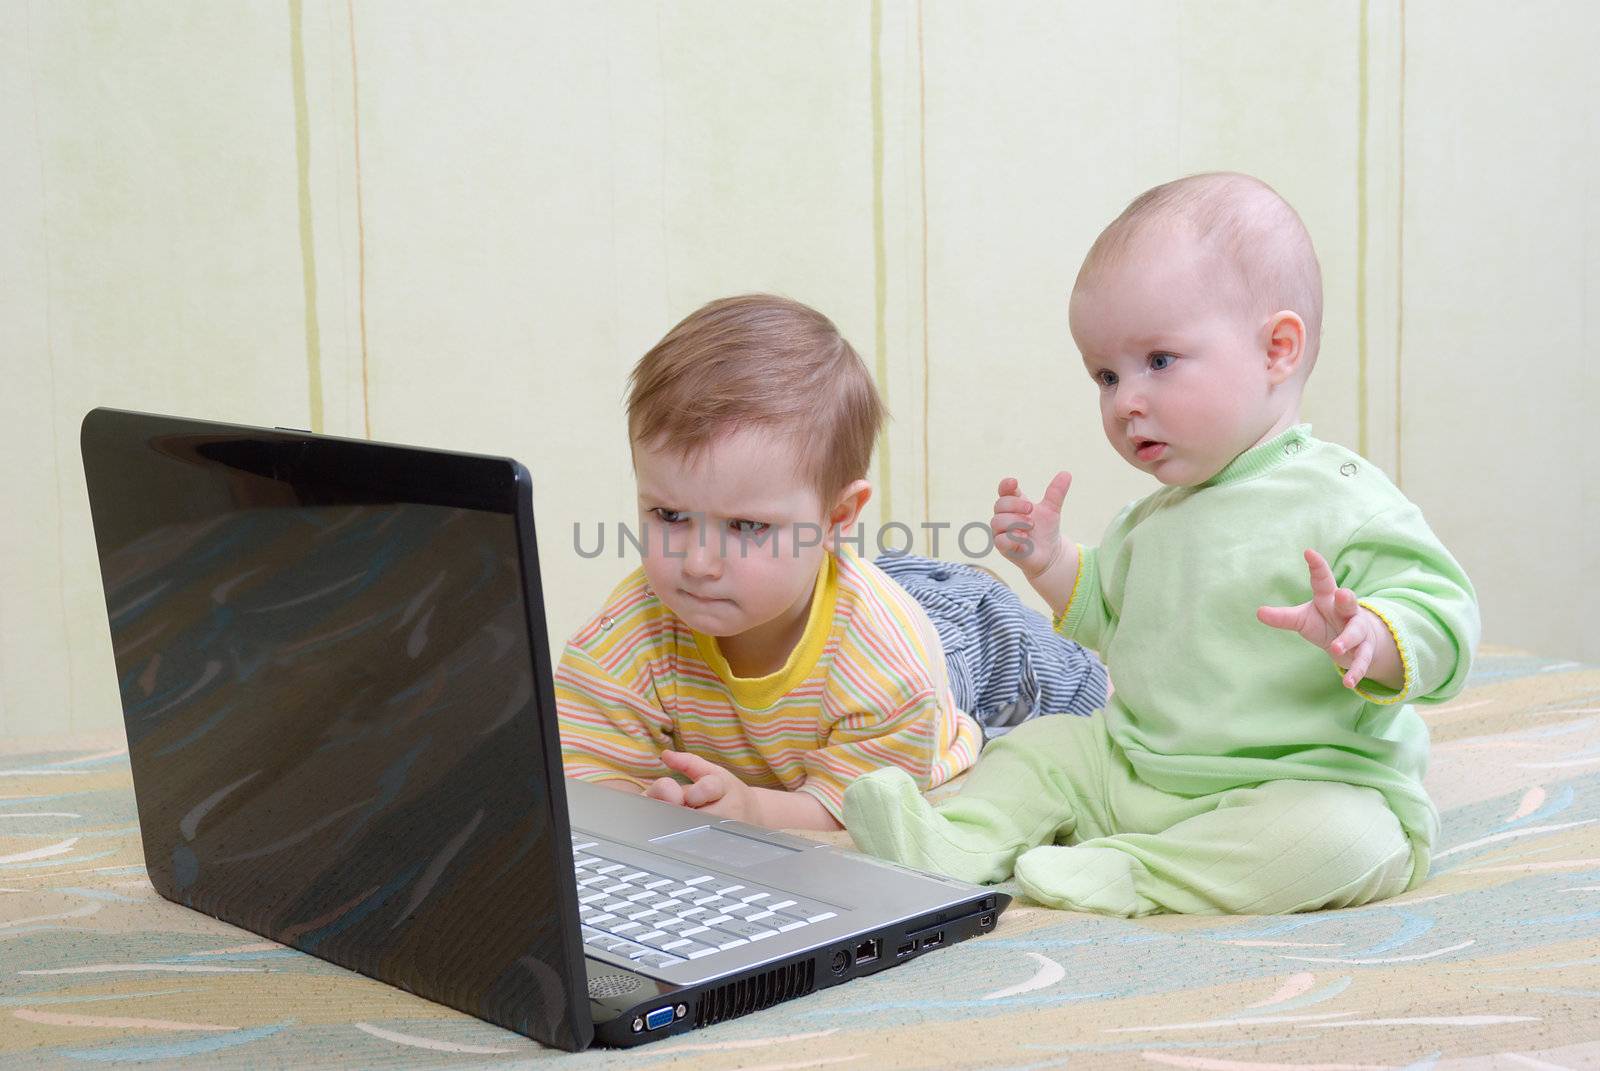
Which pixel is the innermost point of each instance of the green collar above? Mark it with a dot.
(1264, 457)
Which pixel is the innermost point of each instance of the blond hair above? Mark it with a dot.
(1248, 224)
(758, 360)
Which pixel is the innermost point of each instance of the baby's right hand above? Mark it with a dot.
(1028, 532)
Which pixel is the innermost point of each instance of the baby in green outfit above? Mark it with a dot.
(1268, 616)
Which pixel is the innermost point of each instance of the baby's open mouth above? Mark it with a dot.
(1148, 449)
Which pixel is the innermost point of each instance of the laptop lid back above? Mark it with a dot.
(336, 685)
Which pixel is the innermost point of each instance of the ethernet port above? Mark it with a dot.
(867, 950)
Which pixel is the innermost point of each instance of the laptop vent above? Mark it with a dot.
(756, 992)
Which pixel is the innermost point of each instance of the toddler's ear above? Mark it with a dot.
(848, 505)
(1286, 345)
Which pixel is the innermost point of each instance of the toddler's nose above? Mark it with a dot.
(702, 557)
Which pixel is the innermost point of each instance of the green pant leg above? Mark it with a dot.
(1024, 791)
(1273, 848)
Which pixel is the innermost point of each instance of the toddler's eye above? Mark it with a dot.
(668, 516)
(1158, 361)
(1106, 379)
(749, 527)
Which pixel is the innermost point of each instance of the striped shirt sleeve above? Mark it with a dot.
(911, 737)
(608, 730)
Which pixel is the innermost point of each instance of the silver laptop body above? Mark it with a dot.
(336, 685)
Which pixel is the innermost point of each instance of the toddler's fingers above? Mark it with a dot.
(1008, 486)
(704, 791)
(666, 790)
(1018, 504)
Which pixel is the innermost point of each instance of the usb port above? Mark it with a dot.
(933, 940)
(904, 950)
(657, 1019)
(867, 950)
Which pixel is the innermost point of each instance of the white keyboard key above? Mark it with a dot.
(781, 904)
(823, 917)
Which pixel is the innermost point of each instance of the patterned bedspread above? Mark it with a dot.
(1494, 962)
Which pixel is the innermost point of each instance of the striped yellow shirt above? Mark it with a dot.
(864, 688)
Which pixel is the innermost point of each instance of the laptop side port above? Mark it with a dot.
(867, 951)
(933, 940)
(905, 950)
(841, 960)
(655, 1020)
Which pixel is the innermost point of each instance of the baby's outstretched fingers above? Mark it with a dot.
(1013, 504)
(1354, 633)
(1359, 664)
(1284, 617)
(1055, 495)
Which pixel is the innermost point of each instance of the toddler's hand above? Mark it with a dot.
(1028, 532)
(1351, 634)
(715, 790)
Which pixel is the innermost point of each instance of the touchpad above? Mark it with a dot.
(720, 846)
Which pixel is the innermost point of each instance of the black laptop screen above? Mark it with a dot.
(333, 706)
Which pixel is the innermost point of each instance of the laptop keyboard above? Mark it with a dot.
(667, 912)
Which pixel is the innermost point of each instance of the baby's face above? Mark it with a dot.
(734, 538)
(1180, 362)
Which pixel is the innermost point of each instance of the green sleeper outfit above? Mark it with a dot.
(1231, 770)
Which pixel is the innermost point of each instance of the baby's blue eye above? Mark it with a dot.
(668, 516)
(1106, 379)
(749, 527)
(1158, 361)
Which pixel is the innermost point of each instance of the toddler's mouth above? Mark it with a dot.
(704, 599)
(1148, 449)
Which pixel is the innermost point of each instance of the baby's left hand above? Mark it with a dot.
(714, 790)
(1334, 621)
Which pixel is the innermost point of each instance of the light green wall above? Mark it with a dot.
(459, 225)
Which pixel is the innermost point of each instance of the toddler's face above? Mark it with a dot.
(734, 538)
(1180, 362)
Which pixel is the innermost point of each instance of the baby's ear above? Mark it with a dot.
(848, 504)
(1286, 345)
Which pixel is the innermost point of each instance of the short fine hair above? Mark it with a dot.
(758, 360)
(1246, 222)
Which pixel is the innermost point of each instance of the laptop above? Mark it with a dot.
(336, 685)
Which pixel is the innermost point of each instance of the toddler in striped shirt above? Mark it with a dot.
(756, 664)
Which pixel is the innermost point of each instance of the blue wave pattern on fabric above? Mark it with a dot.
(1006, 663)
